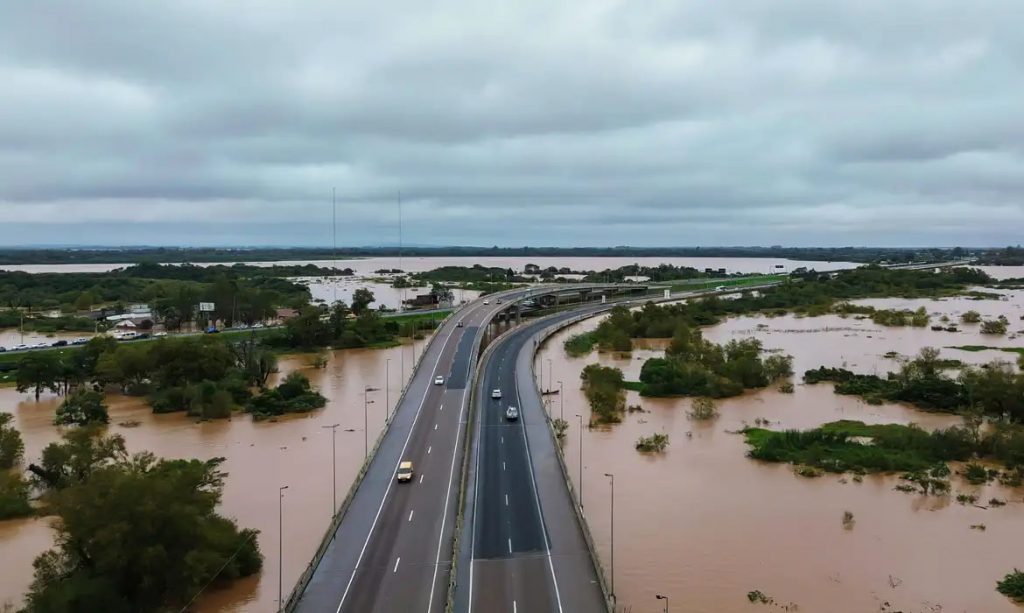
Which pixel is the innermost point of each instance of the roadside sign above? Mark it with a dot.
(206, 307)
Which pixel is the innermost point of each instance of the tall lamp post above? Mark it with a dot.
(550, 380)
(280, 546)
(366, 420)
(334, 467)
(580, 417)
(612, 477)
(665, 598)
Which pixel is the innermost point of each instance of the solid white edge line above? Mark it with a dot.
(536, 494)
(391, 482)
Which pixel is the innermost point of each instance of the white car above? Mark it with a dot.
(438, 380)
(496, 394)
(511, 413)
(487, 301)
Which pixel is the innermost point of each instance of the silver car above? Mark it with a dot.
(511, 413)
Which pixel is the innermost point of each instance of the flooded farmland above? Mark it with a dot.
(705, 525)
(260, 456)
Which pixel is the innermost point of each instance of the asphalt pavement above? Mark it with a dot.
(525, 549)
(392, 550)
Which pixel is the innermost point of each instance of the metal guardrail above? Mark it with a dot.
(300, 586)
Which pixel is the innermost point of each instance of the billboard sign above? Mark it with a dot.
(206, 307)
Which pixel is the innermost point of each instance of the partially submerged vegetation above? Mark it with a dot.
(845, 445)
(293, 395)
(603, 387)
(1012, 586)
(136, 533)
(995, 390)
(652, 444)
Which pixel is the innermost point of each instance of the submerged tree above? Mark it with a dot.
(137, 534)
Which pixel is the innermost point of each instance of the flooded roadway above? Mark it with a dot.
(705, 525)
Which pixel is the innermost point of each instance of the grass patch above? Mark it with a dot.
(635, 386)
(976, 348)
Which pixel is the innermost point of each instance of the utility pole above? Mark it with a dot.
(612, 477)
(580, 417)
(366, 421)
(280, 546)
(334, 468)
(334, 233)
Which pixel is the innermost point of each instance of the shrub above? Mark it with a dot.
(703, 409)
(653, 443)
(293, 395)
(560, 426)
(971, 317)
(993, 326)
(82, 407)
(1012, 586)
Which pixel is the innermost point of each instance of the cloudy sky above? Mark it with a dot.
(687, 122)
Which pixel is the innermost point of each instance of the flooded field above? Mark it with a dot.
(705, 525)
(368, 266)
(261, 456)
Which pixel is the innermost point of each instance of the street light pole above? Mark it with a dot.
(366, 420)
(580, 417)
(612, 477)
(561, 401)
(665, 598)
(334, 468)
(280, 546)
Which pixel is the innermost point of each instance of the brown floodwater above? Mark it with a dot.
(368, 266)
(260, 457)
(705, 525)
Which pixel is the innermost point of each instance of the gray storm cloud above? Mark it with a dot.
(656, 123)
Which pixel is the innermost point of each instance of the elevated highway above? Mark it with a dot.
(390, 545)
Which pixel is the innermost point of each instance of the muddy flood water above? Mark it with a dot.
(261, 456)
(705, 525)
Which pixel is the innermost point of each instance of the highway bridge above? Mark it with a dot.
(390, 547)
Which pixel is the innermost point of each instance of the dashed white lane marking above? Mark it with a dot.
(502, 466)
(421, 478)
(428, 449)
(435, 426)
(410, 514)
(506, 500)
(396, 565)
(509, 548)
